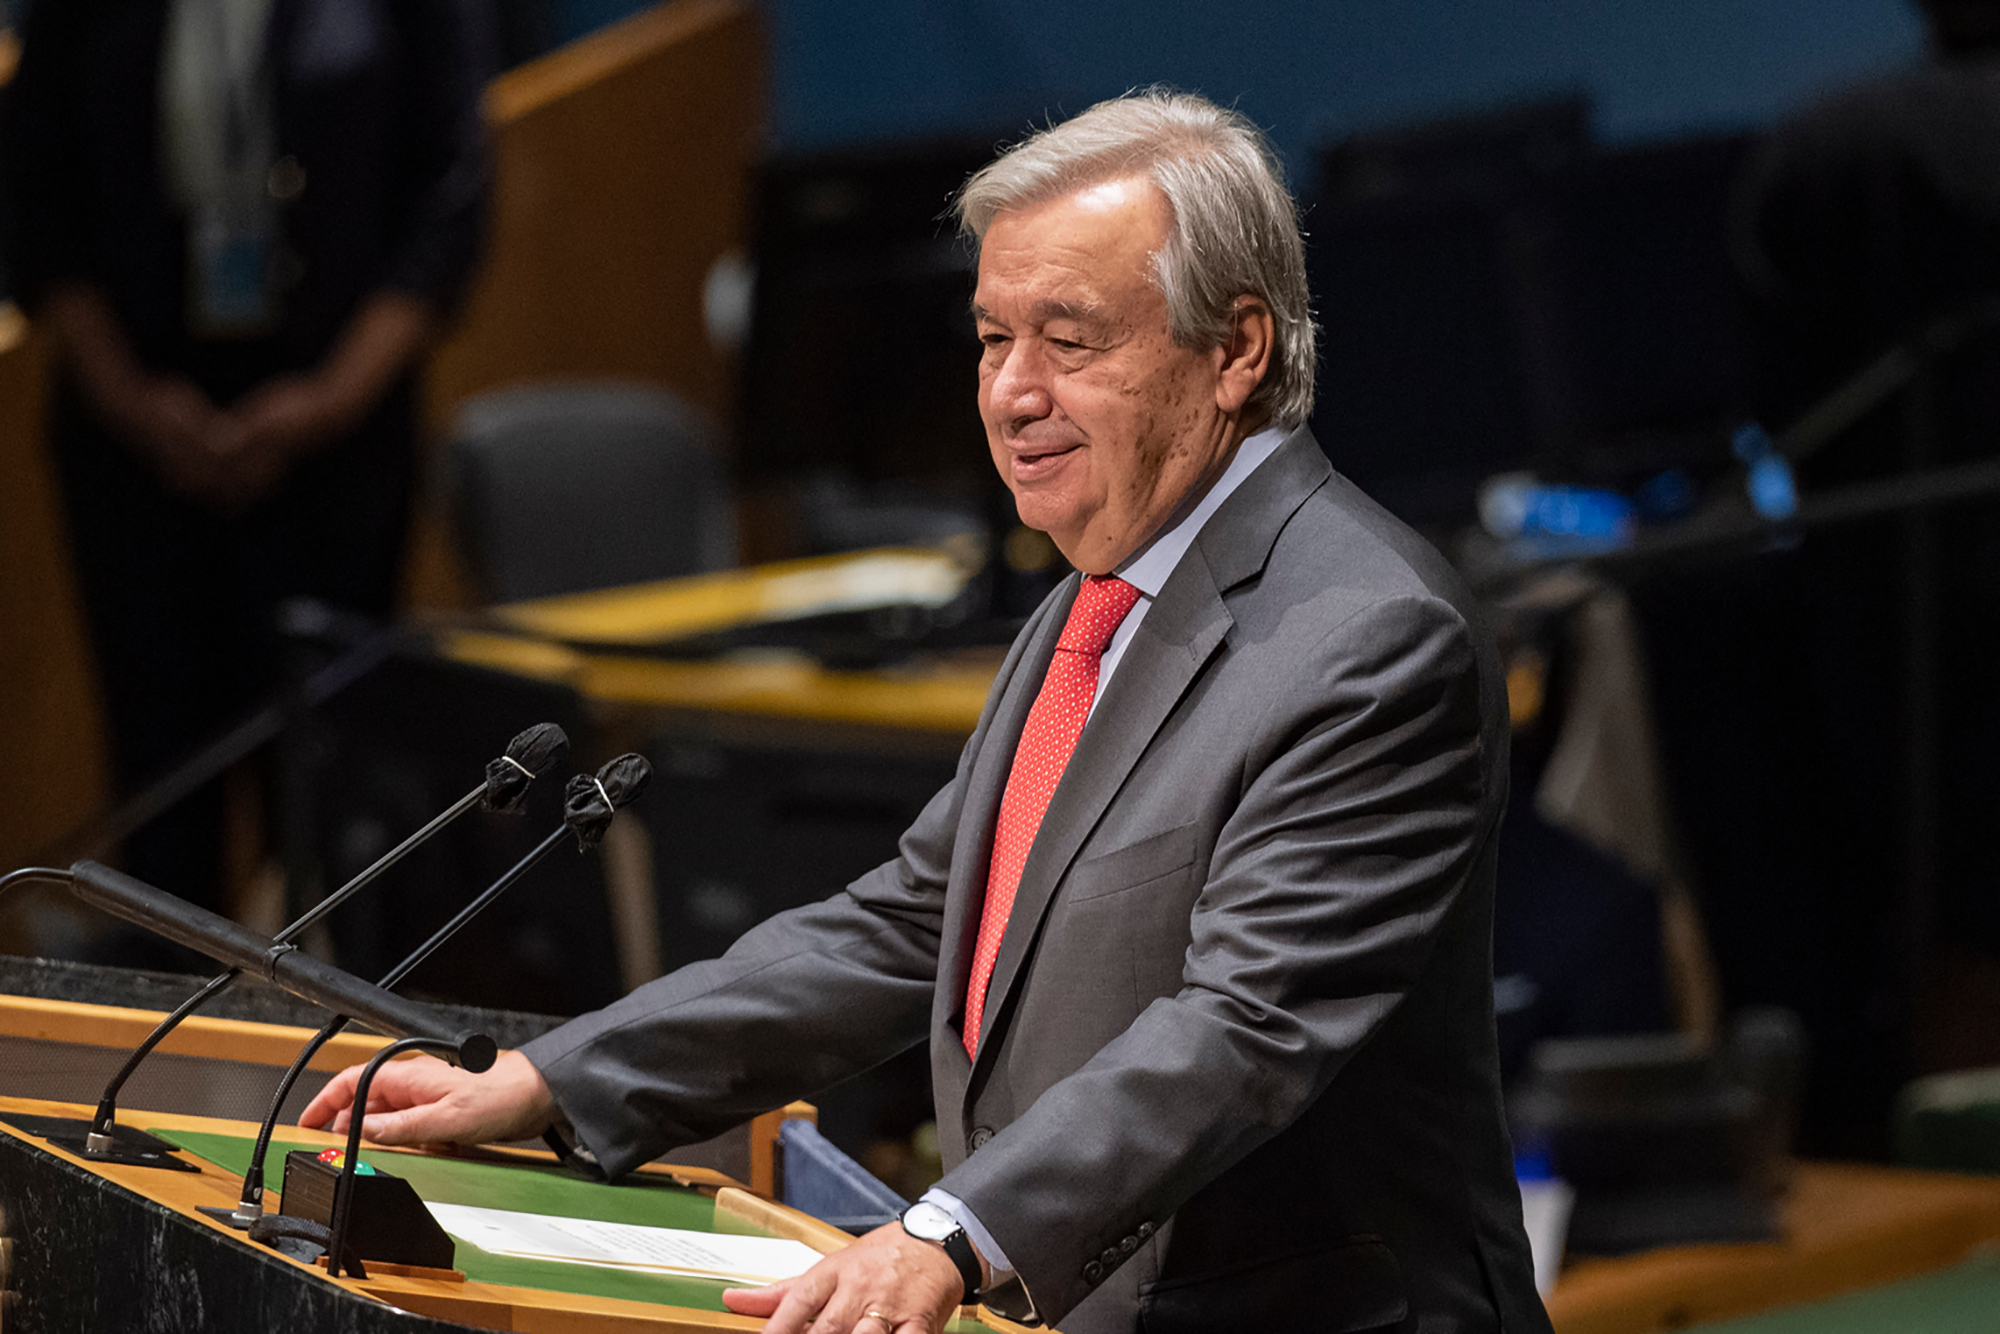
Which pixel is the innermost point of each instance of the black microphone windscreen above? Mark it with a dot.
(529, 756)
(591, 800)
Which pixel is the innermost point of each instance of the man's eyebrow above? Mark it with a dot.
(1084, 312)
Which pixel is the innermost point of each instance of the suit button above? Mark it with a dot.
(1127, 1246)
(1145, 1231)
(1093, 1273)
(981, 1136)
(1110, 1257)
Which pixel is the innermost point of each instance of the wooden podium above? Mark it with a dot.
(95, 1246)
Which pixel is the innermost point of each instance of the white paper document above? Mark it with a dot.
(666, 1250)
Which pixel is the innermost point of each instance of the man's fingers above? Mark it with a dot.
(755, 1301)
(319, 1113)
(804, 1296)
(886, 1283)
(331, 1100)
(425, 1101)
(410, 1126)
(384, 1126)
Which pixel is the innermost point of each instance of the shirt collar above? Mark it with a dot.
(1148, 568)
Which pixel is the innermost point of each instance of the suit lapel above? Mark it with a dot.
(966, 896)
(1182, 631)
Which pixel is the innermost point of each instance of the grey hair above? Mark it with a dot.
(1235, 230)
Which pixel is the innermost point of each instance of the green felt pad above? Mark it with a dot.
(531, 1189)
(1965, 1300)
(534, 1188)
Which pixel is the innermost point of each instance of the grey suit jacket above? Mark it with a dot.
(1237, 1067)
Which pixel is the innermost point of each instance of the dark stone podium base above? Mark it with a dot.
(89, 1256)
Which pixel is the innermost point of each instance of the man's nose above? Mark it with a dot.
(1020, 390)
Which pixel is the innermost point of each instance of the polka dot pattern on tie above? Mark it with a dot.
(1055, 721)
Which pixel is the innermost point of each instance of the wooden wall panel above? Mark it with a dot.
(623, 165)
(622, 171)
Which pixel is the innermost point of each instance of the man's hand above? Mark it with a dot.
(172, 424)
(223, 459)
(293, 414)
(165, 419)
(256, 441)
(425, 1101)
(886, 1283)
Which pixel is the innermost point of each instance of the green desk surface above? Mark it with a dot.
(531, 1188)
(534, 1188)
(1965, 1300)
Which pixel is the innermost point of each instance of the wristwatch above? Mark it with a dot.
(926, 1222)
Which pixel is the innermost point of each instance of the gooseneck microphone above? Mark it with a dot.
(589, 803)
(279, 963)
(505, 788)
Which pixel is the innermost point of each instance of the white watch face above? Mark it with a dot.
(929, 1222)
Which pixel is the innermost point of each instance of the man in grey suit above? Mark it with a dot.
(1199, 935)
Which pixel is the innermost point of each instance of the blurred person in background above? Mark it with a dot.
(238, 223)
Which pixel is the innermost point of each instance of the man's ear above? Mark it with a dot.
(1246, 357)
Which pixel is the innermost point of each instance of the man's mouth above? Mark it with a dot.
(1032, 462)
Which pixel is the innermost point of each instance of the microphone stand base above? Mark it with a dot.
(237, 1218)
(123, 1154)
(129, 1147)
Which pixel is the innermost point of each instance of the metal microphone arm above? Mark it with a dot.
(278, 963)
(592, 800)
(529, 755)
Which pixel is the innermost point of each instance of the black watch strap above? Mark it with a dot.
(958, 1247)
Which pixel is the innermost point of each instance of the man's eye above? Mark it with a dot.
(993, 339)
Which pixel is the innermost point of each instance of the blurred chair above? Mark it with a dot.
(566, 486)
(561, 487)
(821, 1180)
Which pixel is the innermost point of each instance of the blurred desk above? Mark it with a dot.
(597, 643)
(942, 695)
(1955, 1301)
(1846, 1227)
(778, 777)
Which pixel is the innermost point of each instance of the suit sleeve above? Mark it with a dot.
(799, 1003)
(1360, 820)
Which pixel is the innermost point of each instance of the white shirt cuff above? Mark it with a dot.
(999, 1268)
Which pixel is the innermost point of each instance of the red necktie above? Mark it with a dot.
(1054, 723)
